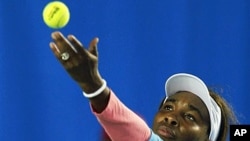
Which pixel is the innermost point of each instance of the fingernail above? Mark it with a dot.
(70, 37)
(53, 35)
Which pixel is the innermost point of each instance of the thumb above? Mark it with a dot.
(93, 46)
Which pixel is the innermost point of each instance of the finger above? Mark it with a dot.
(93, 46)
(54, 49)
(56, 52)
(63, 45)
(65, 52)
(77, 44)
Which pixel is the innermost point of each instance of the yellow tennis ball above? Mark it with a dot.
(56, 14)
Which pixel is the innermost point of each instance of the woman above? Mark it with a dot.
(187, 113)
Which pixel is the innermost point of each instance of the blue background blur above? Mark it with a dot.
(142, 43)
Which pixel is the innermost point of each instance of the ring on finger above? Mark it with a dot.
(65, 56)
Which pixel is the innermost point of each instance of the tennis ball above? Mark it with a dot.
(56, 14)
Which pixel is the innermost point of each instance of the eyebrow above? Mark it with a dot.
(170, 100)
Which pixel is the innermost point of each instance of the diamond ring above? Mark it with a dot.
(65, 56)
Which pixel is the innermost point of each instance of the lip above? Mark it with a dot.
(165, 132)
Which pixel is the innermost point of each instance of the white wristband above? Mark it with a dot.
(97, 92)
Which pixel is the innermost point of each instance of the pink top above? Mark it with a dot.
(121, 123)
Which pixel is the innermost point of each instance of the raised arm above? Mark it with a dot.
(120, 122)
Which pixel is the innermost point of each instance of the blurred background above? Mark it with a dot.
(142, 43)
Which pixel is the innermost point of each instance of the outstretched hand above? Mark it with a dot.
(80, 63)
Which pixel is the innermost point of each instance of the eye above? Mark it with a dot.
(168, 107)
(189, 117)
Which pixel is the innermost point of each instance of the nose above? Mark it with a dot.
(171, 120)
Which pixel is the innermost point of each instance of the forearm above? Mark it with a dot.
(121, 123)
(100, 101)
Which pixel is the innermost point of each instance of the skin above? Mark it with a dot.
(82, 66)
(183, 117)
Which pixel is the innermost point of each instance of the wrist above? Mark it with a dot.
(97, 91)
(91, 86)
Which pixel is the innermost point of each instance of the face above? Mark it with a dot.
(183, 117)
